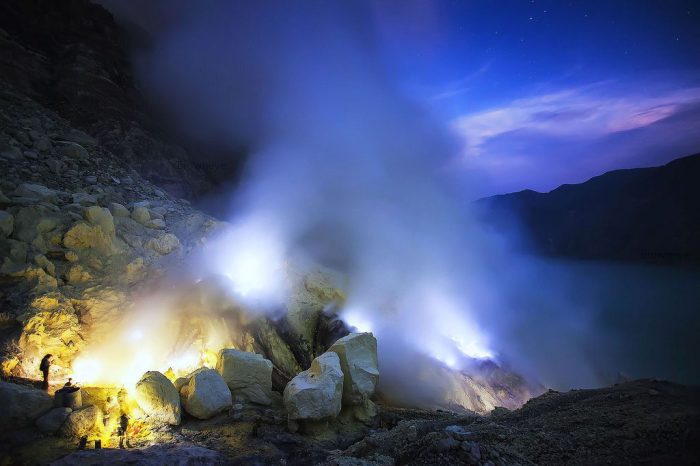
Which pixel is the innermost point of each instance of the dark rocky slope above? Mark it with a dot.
(644, 214)
(72, 58)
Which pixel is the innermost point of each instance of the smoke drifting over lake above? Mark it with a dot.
(346, 172)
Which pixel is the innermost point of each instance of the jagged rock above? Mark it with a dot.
(79, 137)
(316, 393)
(73, 150)
(84, 198)
(134, 270)
(118, 210)
(141, 215)
(164, 244)
(13, 250)
(100, 216)
(310, 295)
(57, 332)
(7, 364)
(31, 222)
(10, 152)
(248, 375)
(156, 223)
(358, 359)
(206, 394)
(181, 382)
(78, 274)
(42, 144)
(53, 420)
(36, 191)
(86, 236)
(81, 422)
(7, 222)
(158, 398)
(21, 405)
(45, 264)
(267, 336)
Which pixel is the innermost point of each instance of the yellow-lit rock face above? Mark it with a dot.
(50, 328)
(85, 236)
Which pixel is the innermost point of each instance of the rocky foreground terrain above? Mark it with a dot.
(95, 214)
(640, 422)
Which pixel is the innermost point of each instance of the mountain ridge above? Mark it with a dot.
(640, 214)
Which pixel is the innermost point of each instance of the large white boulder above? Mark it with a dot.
(316, 393)
(206, 394)
(158, 398)
(358, 359)
(20, 405)
(248, 375)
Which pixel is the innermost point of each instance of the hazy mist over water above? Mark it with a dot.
(348, 172)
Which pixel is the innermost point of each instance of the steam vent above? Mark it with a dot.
(227, 236)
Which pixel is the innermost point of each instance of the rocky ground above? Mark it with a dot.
(639, 422)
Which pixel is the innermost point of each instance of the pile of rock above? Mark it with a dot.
(24, 406)
(204, 393)
(341, 380)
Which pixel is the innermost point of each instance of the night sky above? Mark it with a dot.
(542, 93)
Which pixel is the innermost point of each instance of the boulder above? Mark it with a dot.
(45, 264)
(31, 222)
(100, 216)
(78, 274)
(248, 375)
(53, 420)
(316, 393)
(181, 382)
(164, 244)
(10, 152)
(7, 222)
(84, 198)
(158, 398)
(86, 236)
(156, 224)
(20, 406)
(81, 422)
(206, 394)
(36, 191)
(118, 210)
(141, 215)
(73, 150)
(358, 359)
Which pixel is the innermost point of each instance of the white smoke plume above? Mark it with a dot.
(346, 172)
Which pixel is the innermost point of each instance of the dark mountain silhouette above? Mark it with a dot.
(644, 214)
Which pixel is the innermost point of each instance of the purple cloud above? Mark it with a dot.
(568, 136)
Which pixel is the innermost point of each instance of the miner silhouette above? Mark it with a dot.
(123, 429)
(44, 368)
